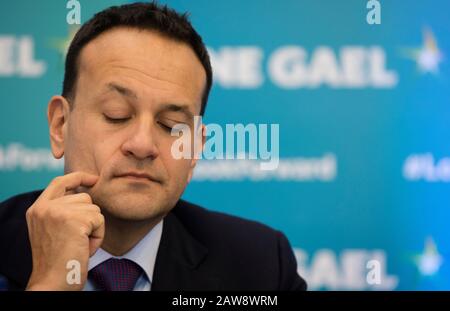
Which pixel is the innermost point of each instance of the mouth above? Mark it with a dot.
(137, 176)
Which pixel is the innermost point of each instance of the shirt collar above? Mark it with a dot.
(143, 253)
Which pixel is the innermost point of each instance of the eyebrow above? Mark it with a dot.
(121, 90)
(124, 91)
(179, 108)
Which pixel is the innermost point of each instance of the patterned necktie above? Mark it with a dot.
(115, 275)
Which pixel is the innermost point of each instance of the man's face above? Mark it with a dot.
(132, 87)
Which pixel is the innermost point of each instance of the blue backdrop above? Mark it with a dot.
(363, 112)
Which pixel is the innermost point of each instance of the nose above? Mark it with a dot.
(141, 143)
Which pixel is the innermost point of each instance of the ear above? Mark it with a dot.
(199, 144)
(57, 117)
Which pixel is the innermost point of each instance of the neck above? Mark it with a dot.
(122, 235)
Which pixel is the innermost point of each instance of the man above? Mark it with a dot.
(132, 73)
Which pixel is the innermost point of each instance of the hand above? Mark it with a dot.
(63, 227)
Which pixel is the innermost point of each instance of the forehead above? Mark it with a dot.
(154, 65)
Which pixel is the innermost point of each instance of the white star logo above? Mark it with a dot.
(428, 57)
(61, 45)
(430, 260)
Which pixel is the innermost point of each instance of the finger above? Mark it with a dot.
(75, 198)
(96, 237)
(94, 228)
(81, 208)
(61, 184)
(88, 221)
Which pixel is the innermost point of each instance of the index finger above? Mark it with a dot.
(61, 184)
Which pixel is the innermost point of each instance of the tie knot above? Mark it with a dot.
(115, 275)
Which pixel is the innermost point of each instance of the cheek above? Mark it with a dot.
(178, 170)
(79, 151)
(90, 149)
(105, 149)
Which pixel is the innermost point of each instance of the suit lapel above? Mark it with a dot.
(179, 260)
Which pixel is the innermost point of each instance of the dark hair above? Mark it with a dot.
(149, 16)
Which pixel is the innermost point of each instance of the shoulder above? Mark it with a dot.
(14, 208)
(15, 261)
(208, 225)
(246, 248)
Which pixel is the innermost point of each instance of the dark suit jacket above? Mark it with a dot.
(199, 250)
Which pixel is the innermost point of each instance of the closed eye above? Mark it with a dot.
(115, 120)
(165, 127)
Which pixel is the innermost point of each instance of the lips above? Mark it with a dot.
(138, 176)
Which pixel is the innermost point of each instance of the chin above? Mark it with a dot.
(131, 215)
(134, 207)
